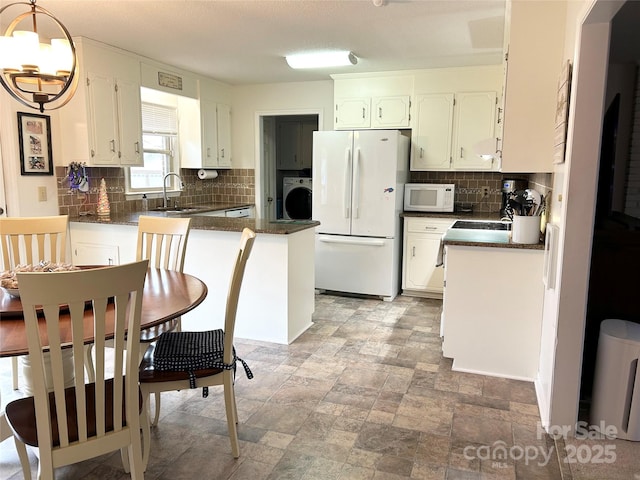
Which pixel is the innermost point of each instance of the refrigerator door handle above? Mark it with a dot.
(356, 184)
(371, 242)
(346, 201)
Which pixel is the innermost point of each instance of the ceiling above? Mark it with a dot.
(244, 42)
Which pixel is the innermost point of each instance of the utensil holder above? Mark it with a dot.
(525, 229)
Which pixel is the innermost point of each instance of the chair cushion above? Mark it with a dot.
(187, 356)
(150, 374)
(191, 351)
(21, 415)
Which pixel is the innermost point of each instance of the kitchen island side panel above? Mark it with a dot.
(492, 310)
(277, 296)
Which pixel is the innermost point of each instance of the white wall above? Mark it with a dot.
(21, 190)
(288, 98)
(573, 210)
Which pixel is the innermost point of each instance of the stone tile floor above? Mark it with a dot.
(364, 394)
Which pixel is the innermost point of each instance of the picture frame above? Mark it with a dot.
(34, 133)
(562, 113)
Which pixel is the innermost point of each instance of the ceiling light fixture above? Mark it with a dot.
(34, 73)
(321, 59)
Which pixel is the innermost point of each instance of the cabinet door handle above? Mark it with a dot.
(413, 251)
(499, 115)
(222, 152)
(363, 117)
(461, 152)
(421, 152)
(430, 228)
(379, 112)
(208, 152)
(112, 144)
(137, 147)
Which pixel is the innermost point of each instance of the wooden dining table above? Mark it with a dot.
(167, 295)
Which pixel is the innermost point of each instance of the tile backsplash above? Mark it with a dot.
(231, 186)
(238, 186)
(469, 186)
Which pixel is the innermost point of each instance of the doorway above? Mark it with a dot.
(285, 151)
(615, 255)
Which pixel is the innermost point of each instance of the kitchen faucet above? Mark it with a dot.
(165, 198)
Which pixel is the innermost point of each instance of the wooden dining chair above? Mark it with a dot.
(28, 241)
(153, 380)
(72, 424)
(162, 241)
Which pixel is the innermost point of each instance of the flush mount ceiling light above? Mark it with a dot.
(321, 59)
(35, 73)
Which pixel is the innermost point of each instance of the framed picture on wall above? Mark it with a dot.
(562, 113)
(34, 132)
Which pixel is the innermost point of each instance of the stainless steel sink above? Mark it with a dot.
(177, 209)
(481, 225)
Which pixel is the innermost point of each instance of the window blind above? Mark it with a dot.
(159, 119)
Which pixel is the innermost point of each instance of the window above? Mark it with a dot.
(159, 149)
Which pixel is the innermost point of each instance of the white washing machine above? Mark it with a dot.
(296, 198)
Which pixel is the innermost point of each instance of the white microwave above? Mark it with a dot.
(429, 197)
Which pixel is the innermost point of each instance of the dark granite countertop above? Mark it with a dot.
(223, 224)
(495, 216)
(476, 238)
(486, 238)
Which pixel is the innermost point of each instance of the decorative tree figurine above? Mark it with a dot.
(104, 209)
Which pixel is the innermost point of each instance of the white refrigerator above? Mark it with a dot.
(358, 189)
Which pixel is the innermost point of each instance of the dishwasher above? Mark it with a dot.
(239, 212)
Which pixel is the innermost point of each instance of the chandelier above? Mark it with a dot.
(34, 72)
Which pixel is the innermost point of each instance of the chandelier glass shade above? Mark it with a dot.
(38, 74)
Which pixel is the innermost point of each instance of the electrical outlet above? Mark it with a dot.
(42, 193)
(485, 190)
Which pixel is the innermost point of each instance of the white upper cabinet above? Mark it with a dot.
(223, 117)
(474, 126)
(377, 101)
(390, 112)
(212, 121)
(216, 134)
(209, 122)
(432, 134)
(294, 148)
(533, 68)
(449, 128)
(352, 113)
(374, 112)
(102, 124)
(454, 118)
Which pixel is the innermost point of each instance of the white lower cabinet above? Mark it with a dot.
(102, 244)
(492, 310)
(420, 275)
(95, 254)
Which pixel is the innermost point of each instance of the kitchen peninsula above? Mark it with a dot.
(492, 303)
(277, 296)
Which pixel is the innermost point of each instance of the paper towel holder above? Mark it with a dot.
(204, 174)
